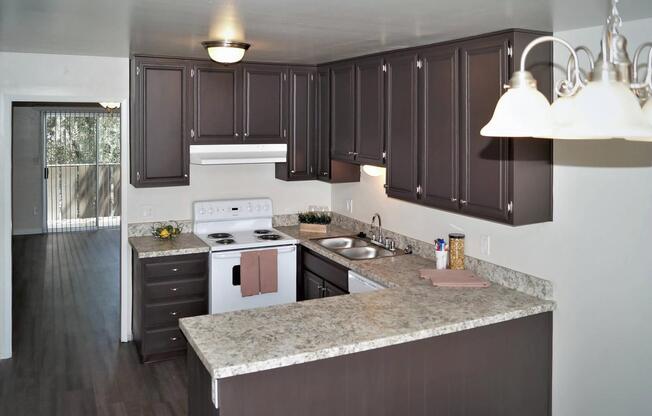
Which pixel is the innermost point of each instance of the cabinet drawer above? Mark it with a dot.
(163, 340)
(327, 270)
(171, 290)
(169, 313)
(176, 266)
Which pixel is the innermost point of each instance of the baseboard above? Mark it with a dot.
(27, 231)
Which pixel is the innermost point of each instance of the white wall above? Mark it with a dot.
(27, 198)
(38, 77)
(216, 182)
(596, 252)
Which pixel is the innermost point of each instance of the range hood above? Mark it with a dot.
(237, 154)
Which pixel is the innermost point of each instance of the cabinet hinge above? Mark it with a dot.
(510, 51)
(384, 156)
(285, 77)
(137, 70)
(510, 207)
(285, 132)
(192, 73)
(419, 63)
(419, 190)
(192, 133)
(137, 176)
(311, 77)
(384, 67)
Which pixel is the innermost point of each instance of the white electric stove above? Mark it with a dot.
(231, 227)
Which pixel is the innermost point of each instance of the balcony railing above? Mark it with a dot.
(83, 196)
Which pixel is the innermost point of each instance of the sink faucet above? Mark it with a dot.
(377, 238)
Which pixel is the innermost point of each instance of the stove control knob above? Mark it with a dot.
(266, 207)
(257, 207)
(210, 211)
(202, 211)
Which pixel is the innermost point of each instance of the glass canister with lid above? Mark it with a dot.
(456, 251)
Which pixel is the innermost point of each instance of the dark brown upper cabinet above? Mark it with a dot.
(300, 163)
(342, 115)
(484, 162)
(160, 115)
(265, 104)
(370, 111)
(217, 104)
(458, 85)
(438, 126)
(401, 125)
(328, 170)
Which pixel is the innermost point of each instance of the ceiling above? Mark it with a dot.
(293, 31)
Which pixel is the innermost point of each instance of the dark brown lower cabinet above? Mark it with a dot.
(501, 369)
(319, 277)
(164, 290)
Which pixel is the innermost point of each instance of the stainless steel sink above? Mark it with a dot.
(337, 243)
(365, 253)
(355, 248)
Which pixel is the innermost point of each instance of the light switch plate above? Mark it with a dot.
(147, 211)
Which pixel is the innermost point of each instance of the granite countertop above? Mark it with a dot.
(247, 341)
(148, 246)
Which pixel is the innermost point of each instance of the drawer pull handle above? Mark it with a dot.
(173, 313)
(175, 269)
(174, 289)
(173, 339)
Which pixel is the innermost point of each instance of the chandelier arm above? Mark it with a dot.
(637, 57)
(569, 66)
(565, 87)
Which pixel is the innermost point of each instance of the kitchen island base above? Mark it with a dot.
(501, 369)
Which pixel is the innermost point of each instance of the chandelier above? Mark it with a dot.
(601, 103)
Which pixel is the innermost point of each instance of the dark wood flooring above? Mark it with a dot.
(68, 359)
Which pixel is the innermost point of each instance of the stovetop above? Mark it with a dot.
(245, 239)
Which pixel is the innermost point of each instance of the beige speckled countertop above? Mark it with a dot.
(410, 309)
(148, 246)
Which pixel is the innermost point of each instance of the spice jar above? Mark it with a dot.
(456, 251)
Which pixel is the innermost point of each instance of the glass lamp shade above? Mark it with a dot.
(521, 112)
(647, 113)
(225, 54)
(562, 111)
(604, 109)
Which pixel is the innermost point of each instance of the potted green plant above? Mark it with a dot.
(314, 221)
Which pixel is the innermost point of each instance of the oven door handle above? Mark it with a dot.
(235, 255)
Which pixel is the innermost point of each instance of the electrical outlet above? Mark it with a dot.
(147, 211)
(485, 245)
(35, 211)
(349, 206)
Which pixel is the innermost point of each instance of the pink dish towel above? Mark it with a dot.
(268, 262)
(249, 273)
(453, 278)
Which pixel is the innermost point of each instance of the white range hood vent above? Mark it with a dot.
(237, 154)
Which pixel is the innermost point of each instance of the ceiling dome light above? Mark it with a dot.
(605, 109)
(521, 112)
(225, 51)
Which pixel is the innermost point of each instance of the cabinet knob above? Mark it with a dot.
(174, 289)
(453, 199)
(175, 269)
(293, 171)
(351, 153)
(173, 314)
(173, 339)
(246, 134)
(463, 202)
(185, 175)
(237, 134)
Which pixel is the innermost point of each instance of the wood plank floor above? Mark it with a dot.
(68, 359)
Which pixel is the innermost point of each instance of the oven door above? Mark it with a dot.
(224, 284)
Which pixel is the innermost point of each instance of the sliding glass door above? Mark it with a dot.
(82, 169)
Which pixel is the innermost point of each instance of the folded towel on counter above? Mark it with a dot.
(249, 273)
(268, 263)
(453, 278)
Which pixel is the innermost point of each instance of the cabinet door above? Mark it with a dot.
(302, 124)
(401, 126)
(322, 112)
(484, 162)
(160, 113)
(438, 126)
(343, 112)
(332, 290)
(312, 286)
(265, 104)
(218, 116)
(370, 111)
